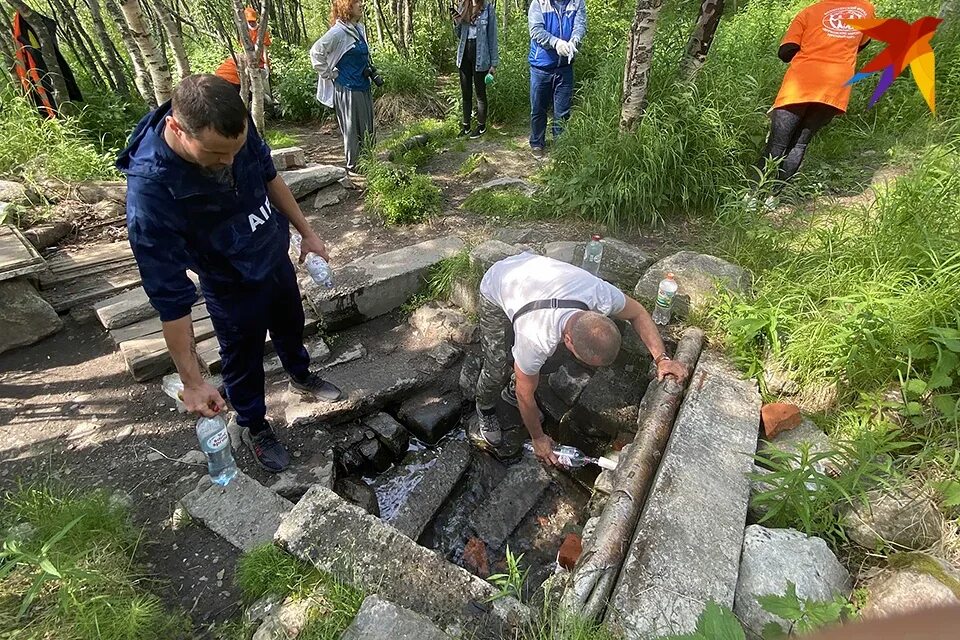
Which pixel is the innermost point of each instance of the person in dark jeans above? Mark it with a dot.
(821, 49)
(475, 24)
(556, 29)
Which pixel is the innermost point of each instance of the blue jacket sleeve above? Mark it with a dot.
(161, 253)
(580, 23)
(492, 36)
(538, 33)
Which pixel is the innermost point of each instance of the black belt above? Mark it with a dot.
(553, 303)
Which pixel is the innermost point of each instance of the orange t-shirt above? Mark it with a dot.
(228, 71)
(828, 53)
(267, 41)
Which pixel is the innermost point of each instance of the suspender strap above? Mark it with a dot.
(553, 303)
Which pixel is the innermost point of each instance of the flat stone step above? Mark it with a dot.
(343, 540)
(509, 502)
(245, 513)
(375, 285)
(378, 619)
(426, 499)
(686, 550)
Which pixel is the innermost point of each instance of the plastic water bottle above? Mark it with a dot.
(172, 385)
(317, 267)
(573, 458)
(488, 79)
(215, 442)
(665, 294)
(592, 255)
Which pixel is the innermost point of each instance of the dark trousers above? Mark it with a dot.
(471, 79)
(549, 89)
(241, 319)
(791, 130)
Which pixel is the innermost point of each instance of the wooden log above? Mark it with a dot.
(153, 325)
(65, 296)
(596, 572)
(17, 256)
(129, 307)
(147, 357)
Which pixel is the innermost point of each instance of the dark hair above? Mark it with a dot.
(595, 337)
(204, 100)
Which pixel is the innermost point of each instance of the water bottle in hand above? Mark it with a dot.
(215, 442)
(573, 458)
(317, 267)
(592, 255)
(665, 295)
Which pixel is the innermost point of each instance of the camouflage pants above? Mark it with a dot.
(496, 340)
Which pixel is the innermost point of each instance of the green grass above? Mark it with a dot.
(439, 132)
(268, 570)
(279, 139)
(399, 194)
(73, 576)
(504, 204)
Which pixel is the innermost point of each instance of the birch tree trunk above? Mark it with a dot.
(251, 54)
(636, 70)
(948, 10)
(698, 45)
(141, 76)
(408, 7)
(48, 41)
(153, 59)
(174, 37)
(74, 34)
(112, 60)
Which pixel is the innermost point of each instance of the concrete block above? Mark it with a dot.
(312, 178)
(499, 515)
(430, 415)
(622, 264)
(379, 619)
(426, 499)
(288, 158)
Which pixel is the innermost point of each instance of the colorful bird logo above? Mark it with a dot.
(909, 44)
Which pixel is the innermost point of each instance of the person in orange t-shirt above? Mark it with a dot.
(821, 50)
(228, 71)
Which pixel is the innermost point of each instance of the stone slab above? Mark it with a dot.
(245, 513)
(312, 178)
(431, 492)
(509, 502)
(508, 182)
(379, 619)
(698, 276)
(374, 285)
(686, 550)
(390, 432)
(25, 317)
(622, 264)
(610, 401)
(340, 539)
(329, 196)
(288, 158)
(366, 387)
(431, 415)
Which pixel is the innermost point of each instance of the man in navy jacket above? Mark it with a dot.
(556, 29)
(203, 195)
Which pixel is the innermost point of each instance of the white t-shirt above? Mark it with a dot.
(515, 281)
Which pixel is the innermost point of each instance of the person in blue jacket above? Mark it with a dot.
(556, 29)
(203, 195)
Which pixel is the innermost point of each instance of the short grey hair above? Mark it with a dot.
(596, 338)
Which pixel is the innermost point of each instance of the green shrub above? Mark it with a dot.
(294, 84)
(439, 133)
(399, 194)
(505, 204)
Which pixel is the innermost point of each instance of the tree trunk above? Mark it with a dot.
(141, 76)
(251, 54)
(118, 76)
(948, 10)
(636, 70)
(386, 26)
(74, 38)
(698, 45)
(174, 37)
(48, 42)
(408, 7)
(153, 60)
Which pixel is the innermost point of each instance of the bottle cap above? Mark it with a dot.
(670, 276)
(595, 236)
(606, 463)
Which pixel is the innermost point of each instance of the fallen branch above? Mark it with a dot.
(596, 572)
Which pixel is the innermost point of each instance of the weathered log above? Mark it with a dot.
(596, 572)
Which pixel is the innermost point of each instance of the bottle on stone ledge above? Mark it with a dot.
(215, 442)
(592, 255)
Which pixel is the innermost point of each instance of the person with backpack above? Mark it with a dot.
(475, 24)
(529, 306)
(342, 58)
(556, 29)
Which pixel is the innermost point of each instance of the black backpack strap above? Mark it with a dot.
(553, 303)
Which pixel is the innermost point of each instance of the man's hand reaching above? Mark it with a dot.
(313, 244)
(203, 399)
(672, 368)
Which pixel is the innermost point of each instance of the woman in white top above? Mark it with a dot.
(342, 58)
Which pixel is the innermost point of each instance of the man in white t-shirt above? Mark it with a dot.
(529, 305)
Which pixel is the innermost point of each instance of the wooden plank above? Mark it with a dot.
(129, 307)
(65, 296)
(67, 260)
(152, 325)
(147, 357)
(49, 279)
(17, 256)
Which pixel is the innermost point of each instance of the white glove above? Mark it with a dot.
(563, 48)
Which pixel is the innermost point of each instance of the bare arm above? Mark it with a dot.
(282, 198)
(198, 395)
(643, 324)
(526, 399)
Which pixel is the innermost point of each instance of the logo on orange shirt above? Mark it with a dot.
(835, 21)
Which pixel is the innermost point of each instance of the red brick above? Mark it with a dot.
(779, 416)
(475, 557)
(570, 551)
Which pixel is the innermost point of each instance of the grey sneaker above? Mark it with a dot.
(538, 152)
(489, 429)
